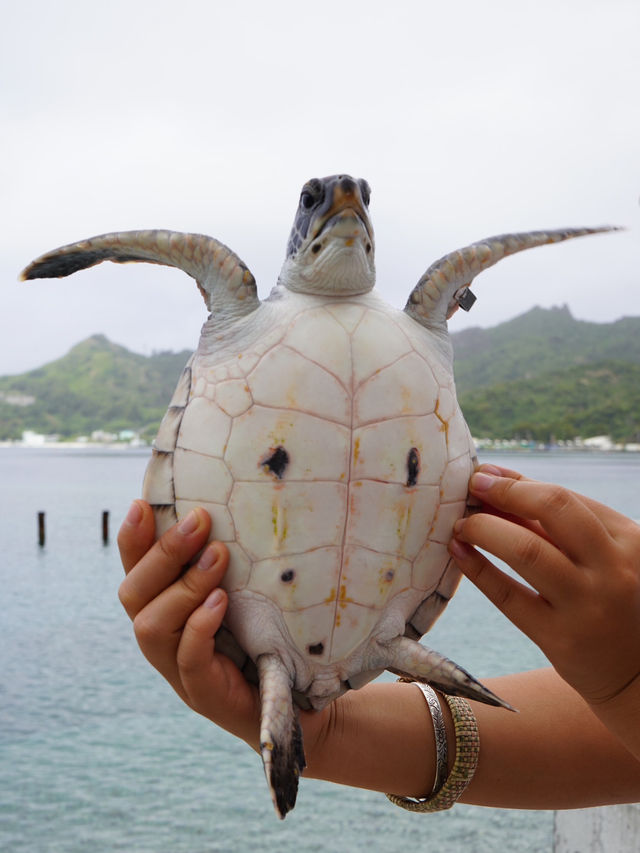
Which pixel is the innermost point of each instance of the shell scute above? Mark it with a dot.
(233, 397)
(317, 336)
(158, 479)
(405, 387)
(368, 356)
(429, 566)
(311, 628)
(298, 581)
(383, 449)
(204, 428)
(353, 623)
(222, 524)
(317, 450)
(371, 579)
(199, 477)
(390, 519)
(285, 379)
(287, 519)
(167, 435)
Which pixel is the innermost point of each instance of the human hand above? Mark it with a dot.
(582, 560)
(175, 616)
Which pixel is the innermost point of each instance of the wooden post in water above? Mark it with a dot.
(41, 529)
(105, 527)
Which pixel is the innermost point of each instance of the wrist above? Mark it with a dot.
(379, 737)
(621, 715)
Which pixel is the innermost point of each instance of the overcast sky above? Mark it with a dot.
(468, 119)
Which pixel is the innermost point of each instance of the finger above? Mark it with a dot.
(212, 682)
(159, 625)
(524, 607)
(136, 534)
(567, 519)
(529, 524)
(499, 471)
(615, 522)
(162, 564)
(534, 558)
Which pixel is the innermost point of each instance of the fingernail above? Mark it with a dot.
(189, 523)
(208, 557)
(134, 516)
(481, 482)
(215, 599)
(457, 549)
(492, 469)
(457, 527)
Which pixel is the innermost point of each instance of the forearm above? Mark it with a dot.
(554, 753)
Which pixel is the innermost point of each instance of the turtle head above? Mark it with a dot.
(331, 248)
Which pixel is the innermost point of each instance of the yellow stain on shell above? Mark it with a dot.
(279, 523)
(331, 597)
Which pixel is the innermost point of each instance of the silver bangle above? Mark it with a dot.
(440, 734)
(467, 751)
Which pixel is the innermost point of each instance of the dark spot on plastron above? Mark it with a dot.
(368, 249)
(316, 649)
(389, 575)
(413, 466)
(316, 248)
(287, 576)
(276, 462)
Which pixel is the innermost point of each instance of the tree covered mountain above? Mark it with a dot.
(539, 342)
(542, 375)
(545, 375)
(98, 385)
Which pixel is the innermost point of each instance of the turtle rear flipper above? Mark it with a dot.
(280, 734)
(407, 657)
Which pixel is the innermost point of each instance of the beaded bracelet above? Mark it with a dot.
(466, 761)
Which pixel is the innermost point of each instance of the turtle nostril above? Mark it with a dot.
(347, 184)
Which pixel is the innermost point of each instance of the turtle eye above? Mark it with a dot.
(307, 200)
(365, 192)
(312, 194)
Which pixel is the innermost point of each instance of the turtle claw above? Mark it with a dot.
(409, 658)
(280, 734)
(282, 767)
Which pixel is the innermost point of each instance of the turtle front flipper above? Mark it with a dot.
(280, 734)
(225, 282)
(445, 286)
(409, 658)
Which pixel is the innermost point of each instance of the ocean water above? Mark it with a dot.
(98, 754)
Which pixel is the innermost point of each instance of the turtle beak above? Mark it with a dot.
(347, 213)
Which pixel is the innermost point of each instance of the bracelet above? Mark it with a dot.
(440, 734)
(466, 761)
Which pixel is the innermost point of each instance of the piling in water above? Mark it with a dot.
(41, 529)
(105, 527)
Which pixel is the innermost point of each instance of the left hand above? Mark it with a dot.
(582, 560)
(176, 614)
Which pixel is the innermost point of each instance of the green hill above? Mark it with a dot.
(545, 375)
(97, 385)
(596, 399)
(540, 341)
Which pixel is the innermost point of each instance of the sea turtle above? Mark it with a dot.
(321, 431)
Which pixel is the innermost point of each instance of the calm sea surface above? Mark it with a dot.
(98, 754)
